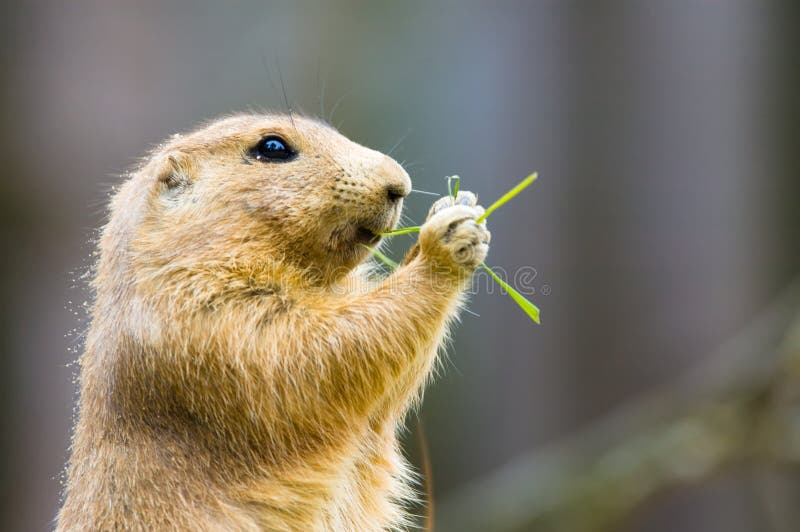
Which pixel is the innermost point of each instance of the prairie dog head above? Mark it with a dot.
(252, 188)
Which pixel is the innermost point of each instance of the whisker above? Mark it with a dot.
(322, 94)
(285, 97)
(468, 311)
(336, 105)
(266, 68)
(400, 141)
(424, 192)
(405, 220)
(408, 165)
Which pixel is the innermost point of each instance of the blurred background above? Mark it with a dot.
(664, 221)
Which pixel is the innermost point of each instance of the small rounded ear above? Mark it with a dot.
(174, 171)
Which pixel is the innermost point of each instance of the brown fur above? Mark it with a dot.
(242, 372)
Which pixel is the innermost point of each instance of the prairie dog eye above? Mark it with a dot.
(273, 148)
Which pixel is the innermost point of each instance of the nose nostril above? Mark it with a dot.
(395, 193)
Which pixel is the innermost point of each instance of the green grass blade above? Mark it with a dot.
(509, 195)
(454, 192)
(530, 309)
(402, 231)
(383, 258)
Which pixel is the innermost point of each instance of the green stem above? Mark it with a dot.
(402, 231)
(508, 196)
(383, 258)
(530, 309)
(453, 193)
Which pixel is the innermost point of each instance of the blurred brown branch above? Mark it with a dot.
(740, 407)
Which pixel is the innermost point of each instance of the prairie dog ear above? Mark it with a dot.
(174, 171)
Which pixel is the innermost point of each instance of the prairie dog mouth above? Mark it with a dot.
(365, 235)
(368, 231)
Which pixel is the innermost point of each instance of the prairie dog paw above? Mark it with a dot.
(452, 237)
(464, 197)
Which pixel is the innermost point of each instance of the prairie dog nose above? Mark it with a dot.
(396, 192)
(397, 182)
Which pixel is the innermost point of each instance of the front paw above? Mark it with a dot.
(452, 238)
(465, 197)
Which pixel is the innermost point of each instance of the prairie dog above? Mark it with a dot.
(242, 371)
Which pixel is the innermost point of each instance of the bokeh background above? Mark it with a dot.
(665, 217)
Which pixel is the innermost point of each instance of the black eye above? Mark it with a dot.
(273, 148)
